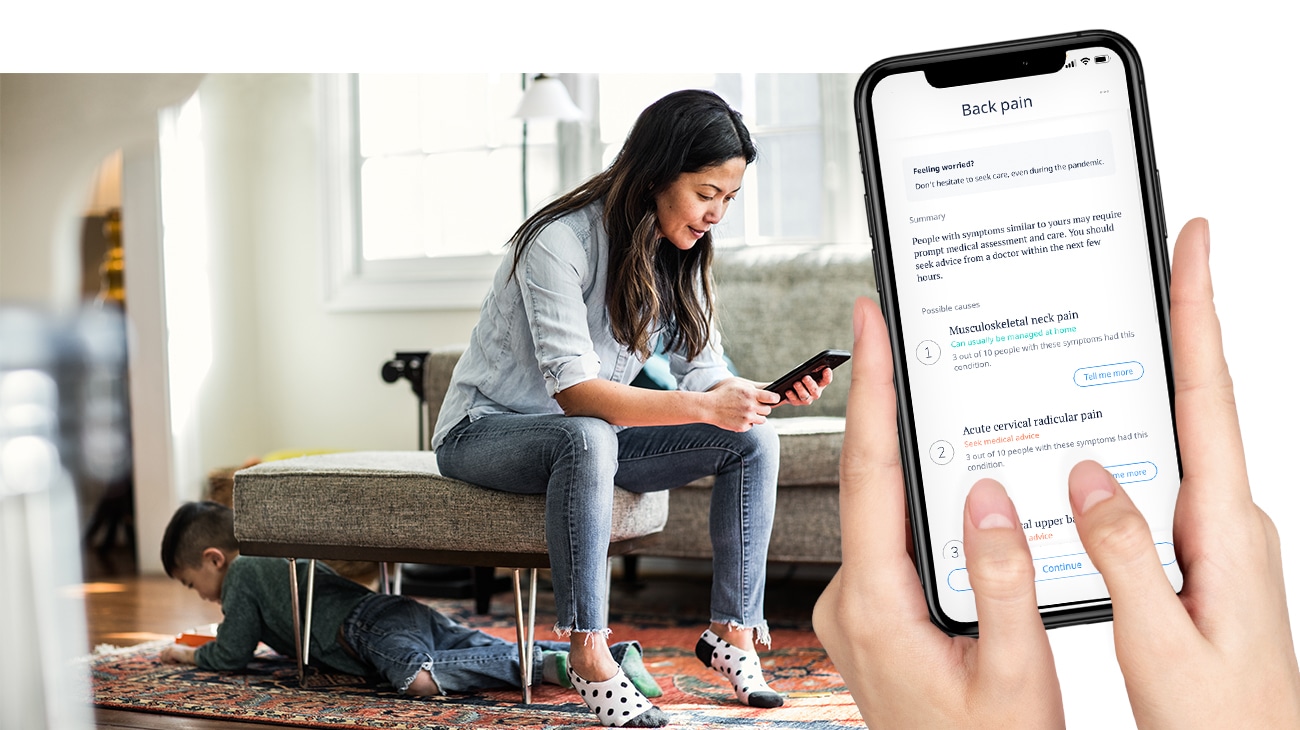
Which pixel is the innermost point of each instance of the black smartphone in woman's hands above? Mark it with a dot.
(824, 360)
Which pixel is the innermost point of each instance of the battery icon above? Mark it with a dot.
(1101, 59)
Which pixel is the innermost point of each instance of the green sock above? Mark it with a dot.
(555, 668)
(636, 671)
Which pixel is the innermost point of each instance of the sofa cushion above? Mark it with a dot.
(810, 450)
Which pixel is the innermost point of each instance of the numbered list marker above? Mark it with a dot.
(928, 352)
(941, 452)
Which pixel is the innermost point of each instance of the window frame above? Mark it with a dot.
(350, 283)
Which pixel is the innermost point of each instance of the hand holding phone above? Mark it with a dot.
(814, 366)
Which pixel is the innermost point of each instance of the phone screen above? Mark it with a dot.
(1022, 258)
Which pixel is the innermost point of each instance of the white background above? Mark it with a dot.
(1220, 86)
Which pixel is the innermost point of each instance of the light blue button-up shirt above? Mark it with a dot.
(547, 329)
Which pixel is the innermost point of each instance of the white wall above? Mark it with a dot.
(289, 375)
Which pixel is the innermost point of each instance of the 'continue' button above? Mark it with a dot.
(1072, 565)
(1118, 372)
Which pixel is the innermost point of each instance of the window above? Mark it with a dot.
(440, 160)
(424, 172)
(784, 115)
(423, 186)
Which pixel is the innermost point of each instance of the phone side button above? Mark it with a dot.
(1160, 208)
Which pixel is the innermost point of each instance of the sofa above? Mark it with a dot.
(777, 306)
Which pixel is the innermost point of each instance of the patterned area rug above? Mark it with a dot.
(694, 696)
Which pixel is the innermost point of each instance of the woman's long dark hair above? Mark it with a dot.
(651, 282)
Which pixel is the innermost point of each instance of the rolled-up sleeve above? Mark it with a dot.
(553, 275)
(705, 371)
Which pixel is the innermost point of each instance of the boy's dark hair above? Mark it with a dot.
(195, 527)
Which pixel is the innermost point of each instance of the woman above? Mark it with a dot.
(540, 401)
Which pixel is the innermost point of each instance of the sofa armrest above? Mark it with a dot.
(437, 379)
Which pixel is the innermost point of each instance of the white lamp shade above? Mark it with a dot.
(546, 98)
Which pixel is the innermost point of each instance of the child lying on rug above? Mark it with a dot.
(354, 630)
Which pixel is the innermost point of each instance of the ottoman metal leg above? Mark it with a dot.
(297, 622)
(301, 628)
(525, 636)
(306, 630)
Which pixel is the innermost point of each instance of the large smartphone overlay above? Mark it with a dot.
(1017, 242)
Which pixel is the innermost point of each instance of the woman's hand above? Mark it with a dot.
(736, 404)
(902, 670)
(807, 390)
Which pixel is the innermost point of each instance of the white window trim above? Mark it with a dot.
(352, 284)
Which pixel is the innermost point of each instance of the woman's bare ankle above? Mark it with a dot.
(589, 657)
(742, 639)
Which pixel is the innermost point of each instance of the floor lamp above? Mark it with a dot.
(545, 98)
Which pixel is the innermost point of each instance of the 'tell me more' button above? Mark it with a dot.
(1118, 372)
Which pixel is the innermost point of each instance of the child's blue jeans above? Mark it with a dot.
(400, 636)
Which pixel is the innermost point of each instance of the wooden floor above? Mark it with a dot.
(123, 609)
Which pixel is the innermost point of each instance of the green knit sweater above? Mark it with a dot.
(255, 601)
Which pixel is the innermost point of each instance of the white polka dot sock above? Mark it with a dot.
(741, 668)
(617, 702)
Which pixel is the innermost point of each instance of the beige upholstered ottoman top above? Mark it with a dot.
(398, 499)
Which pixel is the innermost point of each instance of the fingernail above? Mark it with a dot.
(989, 506)
(1093, 485)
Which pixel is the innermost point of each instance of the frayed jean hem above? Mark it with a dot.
(567, 633)
(425, 667)
(762, 635)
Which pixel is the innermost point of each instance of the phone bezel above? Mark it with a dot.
(1037, 48)
(824, 360)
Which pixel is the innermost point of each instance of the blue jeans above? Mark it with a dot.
(400, 636)
(576, 461)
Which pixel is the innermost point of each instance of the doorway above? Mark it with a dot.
(101, 460)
